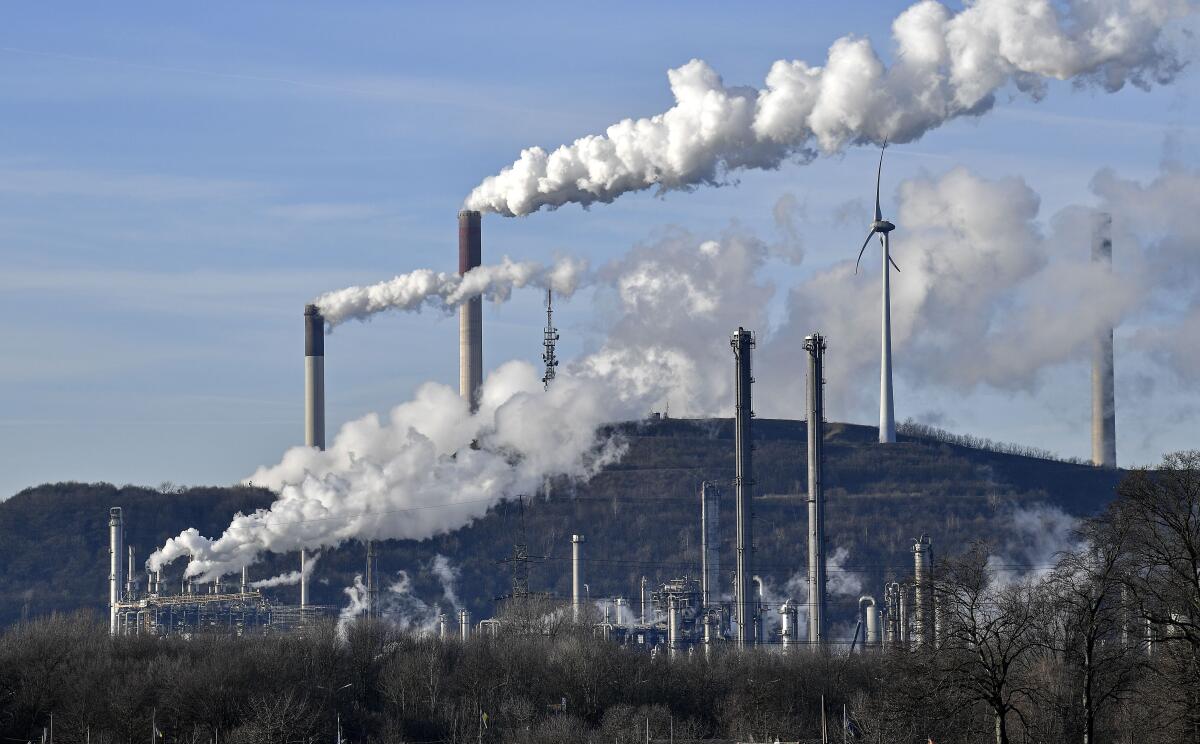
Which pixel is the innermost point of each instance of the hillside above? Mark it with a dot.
(640, 516)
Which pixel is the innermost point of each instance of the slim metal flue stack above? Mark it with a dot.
(742, 343)
(1104, 400)
(314, 404)
(576, 580)
(116, 541)
(470, 313)
(815, 383)
(710, 543)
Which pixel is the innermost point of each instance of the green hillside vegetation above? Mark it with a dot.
(640, 517)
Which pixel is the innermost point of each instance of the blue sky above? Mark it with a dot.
(177, 181)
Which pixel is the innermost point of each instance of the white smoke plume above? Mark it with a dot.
(291, 578)
(399, 606)
(448, 575)
(1034, 540)
(946, 65)
(424, 288)
(433, 467)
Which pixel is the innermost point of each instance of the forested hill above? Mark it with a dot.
(640, 517)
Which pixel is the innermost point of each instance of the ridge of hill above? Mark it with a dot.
(640, 516)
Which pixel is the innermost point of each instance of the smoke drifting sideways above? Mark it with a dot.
(400, 605)
(424, 288)
(291, 578)
(946, 65)
(431, 468)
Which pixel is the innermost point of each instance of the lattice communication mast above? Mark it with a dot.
(549, 340)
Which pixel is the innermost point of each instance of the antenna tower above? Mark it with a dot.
(549, 340)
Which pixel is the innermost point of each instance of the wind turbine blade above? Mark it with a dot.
(878, 176)
(861, 250)
(897, 268)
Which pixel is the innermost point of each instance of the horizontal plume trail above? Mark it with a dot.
(417, 290)
(291, 578)
(433, 467)
(947, 64)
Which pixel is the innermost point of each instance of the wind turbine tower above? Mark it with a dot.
(881, 227)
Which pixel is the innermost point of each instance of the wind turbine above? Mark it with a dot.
(881, 227)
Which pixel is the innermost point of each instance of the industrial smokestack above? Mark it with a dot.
(372, 581)
(576, 551)
(1104, 401)
(673, 625)
(116, 539)
(470, 313)
(245, 580)
(710, 542)
(314, 402)
(870, 620)
(130, 573)
(815, 346)
(922, 592)
(464, 625)
(788, 625)
(742, 343)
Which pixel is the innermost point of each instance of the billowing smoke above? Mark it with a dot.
(424, 288)
(400, 606)
(291, 578)
(433, 467)
(946, 65)
(1036, 537)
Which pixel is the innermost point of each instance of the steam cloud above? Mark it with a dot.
(423, 288)
(946, 65)
(419, 474)
(291, 578)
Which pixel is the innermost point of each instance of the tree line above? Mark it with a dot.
(1102, 647)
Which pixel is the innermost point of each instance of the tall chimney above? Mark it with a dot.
(1104, 403)
(116, 539)
(922, 592)
(372, 581)
(742, 342)
(130, 573)
(245, 580)
(815, 346)
(470, 314)
(314, 403)
(576, 550)
(710, 543)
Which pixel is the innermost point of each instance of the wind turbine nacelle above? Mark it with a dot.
(882, 226)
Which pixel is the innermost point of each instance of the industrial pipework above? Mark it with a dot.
(710, 542)
(789, 625)
(576, 581)
(1104, 400)
(815, 399)
(742, 343)
(116, 540)
(470, 313)
(870, 619)
(464, 625)
(922, 592)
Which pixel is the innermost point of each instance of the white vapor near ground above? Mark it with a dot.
(399, 606)
(291, 578)
(424, 288)
(946, 64)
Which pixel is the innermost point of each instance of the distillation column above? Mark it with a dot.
(710, 544)
(922, 592)
(815, 398)
(470, 313)
(1104, 401)
(742, 342)
(116, 540)
(576, 580)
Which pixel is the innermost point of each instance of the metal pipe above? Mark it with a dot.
(710, 542)
(470, 313)
(576, 581)
(622, 611)
(742, 343)
(922, 592)
(441, 625)
(643, 600)
(673, 625)
(245, 580)
(116, 538)
(789, 625)
(1104, 402)
(314, 402)
(759, 634)
(464, 625)
(130, 573)
(815, 399)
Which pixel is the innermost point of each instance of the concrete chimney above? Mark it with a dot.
(576, 557)
(815, 384)
(922, 592)
(1104, 402)
(710, 543)
(116, 579)
(470, 313)
(742, 343)
(314, 402)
